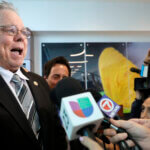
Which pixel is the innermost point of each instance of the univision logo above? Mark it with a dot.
(82, 107)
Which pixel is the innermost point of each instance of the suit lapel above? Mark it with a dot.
(36, 91)
(9, 101)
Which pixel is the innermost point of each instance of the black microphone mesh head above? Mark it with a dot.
(66, 87)
(95, 93)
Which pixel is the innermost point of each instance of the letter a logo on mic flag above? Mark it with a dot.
(108, 106)
(82, 107)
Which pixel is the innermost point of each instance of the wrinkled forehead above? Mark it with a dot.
(10, 17)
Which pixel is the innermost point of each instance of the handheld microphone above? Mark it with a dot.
(66, 87)
(79, 112)
(109, 109)
(95, 93)
(108, 106)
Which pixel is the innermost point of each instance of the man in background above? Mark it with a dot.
(55, 70)
(28, 119)
(145, 112)
(141, 95)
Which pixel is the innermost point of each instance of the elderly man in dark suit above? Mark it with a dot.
(28, 120)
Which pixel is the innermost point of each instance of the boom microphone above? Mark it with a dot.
(136, 70)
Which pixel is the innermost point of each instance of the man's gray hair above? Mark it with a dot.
(7, 5)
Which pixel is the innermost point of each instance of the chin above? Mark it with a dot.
(15, 67)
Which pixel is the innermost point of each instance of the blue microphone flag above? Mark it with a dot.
(108, 106)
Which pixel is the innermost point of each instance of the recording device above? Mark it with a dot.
(142, 83)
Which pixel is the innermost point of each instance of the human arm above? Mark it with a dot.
(96, 145)
(140, 133)
(90, 144)
(144, 122)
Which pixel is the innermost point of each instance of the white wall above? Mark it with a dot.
(84, 21)
(85, 15)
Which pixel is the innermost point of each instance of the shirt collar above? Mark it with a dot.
(7, 75)
(21, 75)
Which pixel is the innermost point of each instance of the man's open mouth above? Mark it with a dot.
(18, 50)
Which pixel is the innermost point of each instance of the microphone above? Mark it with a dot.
(108, 106)
(136, 70)
(109, 109)
(95, 93)
(65, 87)
(79, 112)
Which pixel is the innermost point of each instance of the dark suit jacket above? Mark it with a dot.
(15, 131)
(136, 108)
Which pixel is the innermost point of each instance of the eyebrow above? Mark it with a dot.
(144, 106)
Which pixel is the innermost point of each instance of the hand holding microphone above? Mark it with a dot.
(90, 144)
(139, 133)
(79, 112)
(144, 122)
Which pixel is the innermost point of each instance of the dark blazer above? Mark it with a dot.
(15, 131)
(136, 108)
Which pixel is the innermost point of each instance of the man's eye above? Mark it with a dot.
(56, 76)
(64, 76)
(26, 32)
(12, 31)
(142, 109)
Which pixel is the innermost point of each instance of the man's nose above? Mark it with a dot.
(144, 115)
(61, 77)
(19, 37)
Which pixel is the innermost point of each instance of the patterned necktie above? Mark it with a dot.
(19, 87)
(26, 99)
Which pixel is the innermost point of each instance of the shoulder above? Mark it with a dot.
(34, 77)
(30, 74)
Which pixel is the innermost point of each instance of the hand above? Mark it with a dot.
(140, 134)
(90, 144)
(144, 122)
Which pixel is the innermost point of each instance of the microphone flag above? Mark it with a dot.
(79, 111)
(108, 106)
